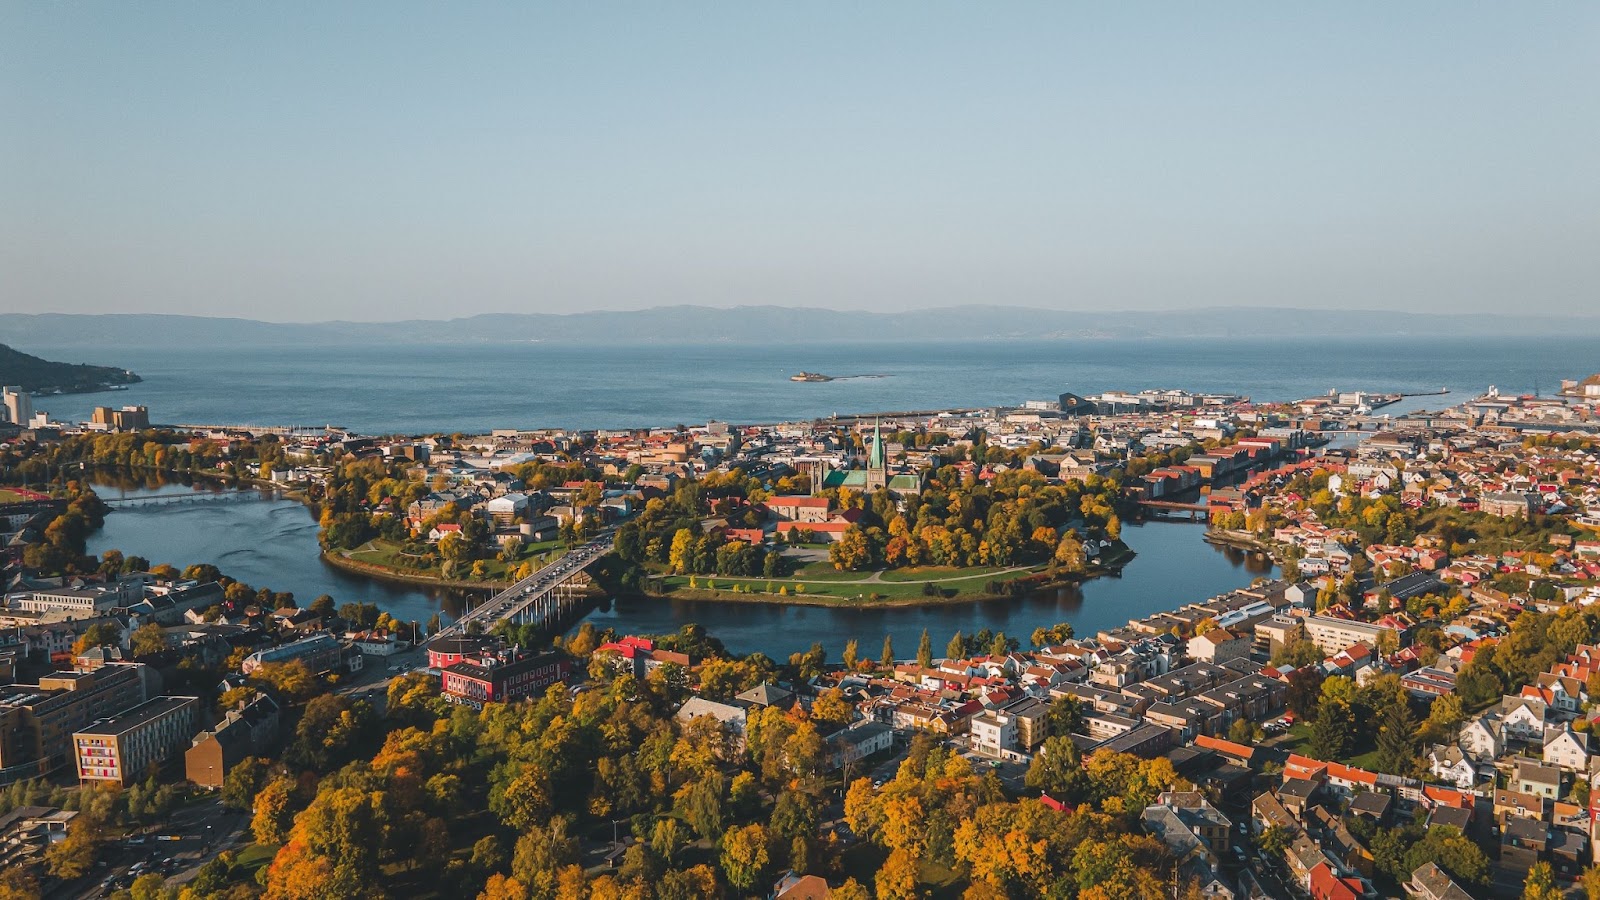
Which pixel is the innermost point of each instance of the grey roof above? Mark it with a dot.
(767, 694)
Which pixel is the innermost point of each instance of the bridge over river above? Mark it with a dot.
(228, 496)
(547, 597)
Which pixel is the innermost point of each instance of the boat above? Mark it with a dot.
(810, 376)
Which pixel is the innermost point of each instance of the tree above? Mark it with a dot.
(887, 660)
(851, 655)
(897, 878)
(744, 856)
(831, 707)
(97, 635)
(149, 886)
(1452, 851)
(1591, 882)
(851, 889)
(1541, 884)
(18, 883)
(1057, 769)
(273, 812)
(1244, 731)
(703, 806)
(148, 639)
(957, 648)
(243, 783)
(667, 839)
(1276, 839)
(1397, 738)
(925, 651)
(74, 856)
(1332, 731)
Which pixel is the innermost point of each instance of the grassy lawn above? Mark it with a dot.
(1368, 761)
(920, 574)
(387, 553)
(1295, 739)
(842, 591)
(253, 857)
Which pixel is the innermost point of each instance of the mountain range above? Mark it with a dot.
(783, 325)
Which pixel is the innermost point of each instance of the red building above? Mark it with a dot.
(447, 651)
(502, 676)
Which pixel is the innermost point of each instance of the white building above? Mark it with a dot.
(993, 733)
(16, 405)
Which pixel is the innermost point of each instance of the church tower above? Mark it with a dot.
(877, 461)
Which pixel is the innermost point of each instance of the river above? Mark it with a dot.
(273, 543)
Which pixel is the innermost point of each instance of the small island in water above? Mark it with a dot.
(42, 376)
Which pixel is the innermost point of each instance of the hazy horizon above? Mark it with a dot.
(379, 162)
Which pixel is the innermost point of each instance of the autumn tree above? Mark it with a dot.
(274, 812)
(744, 856)
(897, 877)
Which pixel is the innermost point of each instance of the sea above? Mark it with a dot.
(419, 389)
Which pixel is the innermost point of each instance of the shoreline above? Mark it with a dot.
(384, 573)
(914, 602)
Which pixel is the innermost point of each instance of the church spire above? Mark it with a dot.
(875, 456)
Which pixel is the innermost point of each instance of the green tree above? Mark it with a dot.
(243, 783)
(1332, 731)
(1397, 738)
(1057, 769)
(925, 651)
(148, 639)
(887, 659)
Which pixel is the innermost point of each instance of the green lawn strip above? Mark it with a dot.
(940, 573)
(253, 857)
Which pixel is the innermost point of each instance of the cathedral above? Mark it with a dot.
(875, 477)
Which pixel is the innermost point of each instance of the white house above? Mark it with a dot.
(1566, 748)
(1452, 766)
(1523, 717)
(1484, 738)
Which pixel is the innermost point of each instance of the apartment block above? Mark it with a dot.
(124, 748)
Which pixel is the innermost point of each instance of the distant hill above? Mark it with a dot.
(42, 375)
(784, 325)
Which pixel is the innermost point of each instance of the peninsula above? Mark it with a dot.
(42, 376)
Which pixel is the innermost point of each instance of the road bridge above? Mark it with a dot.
(192, 497)
(548, 597)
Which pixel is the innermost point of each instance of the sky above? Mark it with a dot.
(308, 161)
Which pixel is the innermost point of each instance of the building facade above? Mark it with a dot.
(123, 749)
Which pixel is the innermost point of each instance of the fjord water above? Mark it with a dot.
(273, 543)
(472, 388)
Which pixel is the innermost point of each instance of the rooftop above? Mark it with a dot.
(138, 716)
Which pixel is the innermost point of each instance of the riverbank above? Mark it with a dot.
(1240, 540)
(903, 593)
(384, 573)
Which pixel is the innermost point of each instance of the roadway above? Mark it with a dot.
(515, 599)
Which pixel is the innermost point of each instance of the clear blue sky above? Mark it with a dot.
(307, 161)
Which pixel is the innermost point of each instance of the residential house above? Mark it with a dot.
(1566, 749)
(1537, 779)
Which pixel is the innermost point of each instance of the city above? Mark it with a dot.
(1434, 574)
